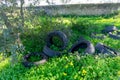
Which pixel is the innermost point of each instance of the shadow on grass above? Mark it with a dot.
(34, 39)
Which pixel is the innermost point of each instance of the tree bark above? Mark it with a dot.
(21, 12)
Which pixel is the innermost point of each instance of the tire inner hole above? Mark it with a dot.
(80, 47)
(56, 41)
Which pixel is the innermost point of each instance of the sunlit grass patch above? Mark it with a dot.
(4, 62)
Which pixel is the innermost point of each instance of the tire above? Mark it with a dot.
(109, 29)
(59, 34)
(118, 32)
(115, 36)
(89, 48)
(101, 48)
(50, 53)
(27, 63)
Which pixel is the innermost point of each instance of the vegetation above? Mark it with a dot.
(70, 66)
(34, 58)
(57, 41)
(65, 67)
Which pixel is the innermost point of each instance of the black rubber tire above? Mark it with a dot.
(49, 52)
(109, 29)
(61, 35)
(114, 36)
(27, 63)
(101, 48)
(118, 32)
(89, 48)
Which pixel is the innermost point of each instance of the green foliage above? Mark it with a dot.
(53, 47)
(83, 25)
(11, 24)
(81, 50)
(57, 41)
(34, 58)
(66, 67)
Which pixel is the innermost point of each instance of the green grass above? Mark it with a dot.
(71, 66)
(57, 41)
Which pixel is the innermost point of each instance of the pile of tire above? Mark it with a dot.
(51, 53)
(110, 29)
(48, 52)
